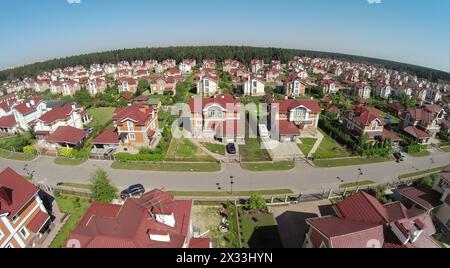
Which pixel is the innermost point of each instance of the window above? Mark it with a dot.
(206, 83)
(15, 218)
(198, 123)
(130, 126)
(374, 125)
(24, 232)
(131, 137)
(300, 113)
(215, 112)
(255, 84)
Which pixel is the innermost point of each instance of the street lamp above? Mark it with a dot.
(231, 184)
(357, 180)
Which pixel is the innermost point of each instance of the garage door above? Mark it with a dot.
(230, 140)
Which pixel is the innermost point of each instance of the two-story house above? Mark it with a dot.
(23, 215)
(362, 90)
(273, 75)
(256, 65)
(217, 117)
(136, 126)
(422, 123)
(329, 86)
(127, 84)
(65, 87)
(186, 65)
(62, 126)
(254, 86)
(154, 220)
(289, 117)
(367, 121)
(361, 221)
(96, 86)
(27, 111)
(294, 86)
(207, 84)
(383, 91)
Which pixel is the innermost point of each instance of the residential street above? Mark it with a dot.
(303, 178)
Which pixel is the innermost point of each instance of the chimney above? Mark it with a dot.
(27, 104)
(32, 102)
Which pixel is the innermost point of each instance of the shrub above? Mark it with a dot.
(81, 154)
(65, 152)
(256, 202)
(29, 150)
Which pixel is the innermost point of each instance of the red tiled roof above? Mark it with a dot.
(199, 243)
(415, 132)
(362, 207)
(67, 134)
(57, 113)
(223, 100)
(344, 233)
(129, 225)
(126, 95)
(19, 191)
(290, 104)
(426, 198)
(138, 113)
(24, 109)
(390, 135)
(333, 109)
(38, 221)
(108, 136)
(8, 121)
(287, 128)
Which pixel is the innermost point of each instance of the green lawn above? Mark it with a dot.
(349, 161)
(75, 207)
(235, 193)
(259, 231)
(185, 150)
(214, 148)
(422, 153)
(169, 167)
(422, 172)
(329, 148)
(354, 184)
(252, 152)
(269, 166)
(16, 156)
(101, 116)
(307, 145)
(64, 161)
(446, 149)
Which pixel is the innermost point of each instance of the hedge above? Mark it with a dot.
(71, 153)
(29, 150)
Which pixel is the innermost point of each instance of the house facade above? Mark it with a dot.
(291, 116)
(217, 117)
(207, 85)
(254, 86)
(23, 216)
(294, 86)
(136, 126)
(425, 119)
(27, 111)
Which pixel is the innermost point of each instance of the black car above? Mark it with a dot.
(231, 148)
(133, 190)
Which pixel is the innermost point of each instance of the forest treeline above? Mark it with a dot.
(219, 53)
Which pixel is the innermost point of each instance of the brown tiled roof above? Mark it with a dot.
(67, 134)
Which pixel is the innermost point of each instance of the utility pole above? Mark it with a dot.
(357, 180)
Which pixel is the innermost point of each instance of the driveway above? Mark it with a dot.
(291, 220)
(283, 151)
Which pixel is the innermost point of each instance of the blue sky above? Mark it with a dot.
(412, 31)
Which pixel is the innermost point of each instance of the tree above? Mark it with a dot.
(101, 187)
(142, 87)
(83, 97)
(256, 202)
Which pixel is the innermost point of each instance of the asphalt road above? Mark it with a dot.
(302, 178)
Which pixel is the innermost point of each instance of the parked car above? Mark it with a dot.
(231, 148)
(89, 130)
(133, 190)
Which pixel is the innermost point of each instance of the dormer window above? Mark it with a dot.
(15, 218)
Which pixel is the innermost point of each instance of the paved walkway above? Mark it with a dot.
(302, 178)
